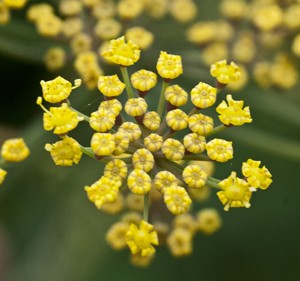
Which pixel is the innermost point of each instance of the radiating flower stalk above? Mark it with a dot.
(158, 158)
(12, 151)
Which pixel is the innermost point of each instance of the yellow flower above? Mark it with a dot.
(3, 174)
(65, 152)
(194, 143)
(175, 95)
(234, 9)
(87, 66)
(194, 176)
(235, 192)
(143, 159)
(54, 59)
(15, 4)
(113, 106)
(132, 130)
(39, 10)
(225, 73)
(153, 142)
(203, 95)
(179, 242)
(163, 180)
(135, 202)
(140, 36)
(58, 90)
(70, 7)
(49, 25)
(103, 144)
(169, 66)
(177, 119)
(256, 177)
(267, 17)
(116, 235)
(219, 150)
(110, 86)
(183, 10)
(233, 113)
(136, 106)
(177, 199)
(143, 80)
(116, 168)
(102, 120)
(151, 120)
(139, 182)
(14, 150)
(122, 53)
(140, 239)
(121, 143)
(103, 191)
(185, 221)
(81, 44)
(107, 28)
(201, 124)
(129, 9)
(115, 207)
(72, 26)
(62, 119)
(140, 261)
(173, 149)
(208, 221)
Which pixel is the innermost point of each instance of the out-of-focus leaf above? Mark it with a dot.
(20, 40)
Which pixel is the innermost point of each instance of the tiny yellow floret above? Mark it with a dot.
(65, 152)
(103, 144)
(177, 199)
(256, 177)
(143, 80)
(235, 192)
(169, 66)
(203, 95)
(110, 86)
(139, 182)
(57, 90)
(177, 119)
(136, 106)
(225, 73)
(143, 159)
(122, 53)
(219, 150)
(233, 113)
(140, 239)
(14, 150)
(175, 95)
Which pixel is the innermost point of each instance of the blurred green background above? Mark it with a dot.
(50, 231)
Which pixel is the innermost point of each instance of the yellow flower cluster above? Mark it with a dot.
(156, 160)
(89, 38)
(12, 150)
(6, 6)
(252, 34)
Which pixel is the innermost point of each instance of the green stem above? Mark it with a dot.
(193, 111)
(213, 184)
(146, 207)
(216, 130)
(126, 79)
(161, 103)
(85, 117)
(88, 151)
(196, 157)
